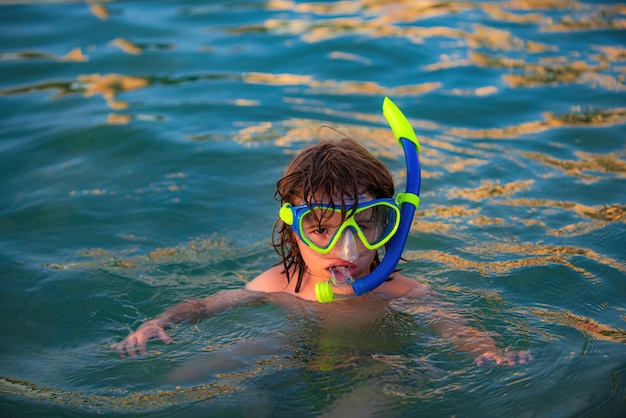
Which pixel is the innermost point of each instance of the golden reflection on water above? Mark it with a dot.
(488, 189)
(113, 399)
(109, 85)
(212, 249)
(106, 85)
(127, 46)
(590, 118)
(587, 326)
(454, 262)
(493, 193)
(531, 255)
(98, 9)
(277, 79)
(383, 19)
(587, 162)
(75, 55)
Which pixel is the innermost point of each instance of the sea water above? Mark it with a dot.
(140, 145)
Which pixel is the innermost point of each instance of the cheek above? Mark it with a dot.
(315, 265)
(308, 254)
(305, 251)
(368, 259)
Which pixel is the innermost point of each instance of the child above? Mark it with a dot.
(326, 187)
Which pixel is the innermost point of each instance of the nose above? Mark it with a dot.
(347, 247)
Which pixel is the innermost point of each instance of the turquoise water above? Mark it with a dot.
(140, 144)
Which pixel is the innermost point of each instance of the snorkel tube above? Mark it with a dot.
(409, 201)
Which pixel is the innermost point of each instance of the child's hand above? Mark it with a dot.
(506, 358)
(137, 340)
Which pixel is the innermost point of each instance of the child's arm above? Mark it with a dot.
(453, 327)
(188, 311)
(478, 343)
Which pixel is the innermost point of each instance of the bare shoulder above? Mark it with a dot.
(271, 280)
(402, 285)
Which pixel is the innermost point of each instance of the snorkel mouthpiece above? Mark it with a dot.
(409, 200)
(340, 276)
(340, 280)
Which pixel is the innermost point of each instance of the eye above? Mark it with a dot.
(367, 225)
(366, 217)
(320, 230)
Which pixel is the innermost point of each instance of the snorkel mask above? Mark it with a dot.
(374, 223)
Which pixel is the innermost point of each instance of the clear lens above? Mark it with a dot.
(376, 223)
(320, 225)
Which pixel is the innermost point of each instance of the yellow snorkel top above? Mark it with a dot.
(399, 123)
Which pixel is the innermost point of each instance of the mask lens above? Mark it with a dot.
(376, 223)
(320, 226)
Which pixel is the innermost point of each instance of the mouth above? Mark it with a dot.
(344, 268)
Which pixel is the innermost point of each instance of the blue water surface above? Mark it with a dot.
(140, 146)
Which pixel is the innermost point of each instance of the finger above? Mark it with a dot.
(163, 336)
(484, 358)
(142, 347)
(524, 357)
(119, 347)
(500, 360)
(131, 348)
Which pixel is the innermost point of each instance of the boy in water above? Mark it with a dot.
(325, 186)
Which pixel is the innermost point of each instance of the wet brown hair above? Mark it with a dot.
(318, 174)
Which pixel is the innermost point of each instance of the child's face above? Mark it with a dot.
(318, 264)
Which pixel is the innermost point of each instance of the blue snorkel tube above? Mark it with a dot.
(409, 201)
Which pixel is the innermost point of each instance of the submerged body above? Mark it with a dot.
(352, 313)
